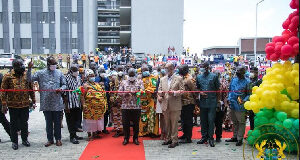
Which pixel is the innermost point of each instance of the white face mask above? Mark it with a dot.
(120, 74)
(131, 79)
(52, 67)
(92, 79)
(251, 75)
(102, 75)
(75, 74)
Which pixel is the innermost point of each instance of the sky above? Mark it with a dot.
(222, 22)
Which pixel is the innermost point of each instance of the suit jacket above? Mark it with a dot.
(171, 102)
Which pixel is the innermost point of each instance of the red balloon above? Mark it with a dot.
(274, 57)
(293, 5)
(268, 56)
(297, 3)
(285, 24)
(286, 49)
(286, 37)
(293, 40)
(296, 48)
(292, 27)
(295, 20)
(286, 32)
(269, 50)
(278, 48)
(278, 39)
(270, 44)
(283, 57)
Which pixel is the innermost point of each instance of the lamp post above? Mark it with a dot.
(255, 38)
(66, 18)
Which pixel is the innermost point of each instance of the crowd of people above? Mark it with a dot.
(152, 99)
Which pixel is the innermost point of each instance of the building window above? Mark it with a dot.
(74, 43)
(45, 17)
(46, 43)
(21, 17)
(52, 17)
(1, 17)
(1, 43)
(74, 17)
(24, 42)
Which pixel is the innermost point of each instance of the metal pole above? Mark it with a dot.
(70, 37)
(255, 38)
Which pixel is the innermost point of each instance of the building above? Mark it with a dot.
(226, 51)
(47, 26)
(67, 26)
(247, 46)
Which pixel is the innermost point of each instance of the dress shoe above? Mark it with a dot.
(48, 144)
(125, 142)
(231, 140)
(74, 141)
(173, 145)
(167, 142)
(239, 143)
(58, 143)
(202, 141)
(117, 134)
(79, 138)
(211, 143)
(135, 141)
(105, 132)
(218, 140)
(79, 130)
(14, 146)
(26, 143)
(186, 141)
(181, 137)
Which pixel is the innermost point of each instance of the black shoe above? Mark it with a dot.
(239, 143)
(202, 141)
(211, 143)
(135, 141)
(231, 140)
(79, 138)
(110, 124)
(26, 143)
(167, 142)
(14, 146)
(105, 132)
(186, 141)
(173, 145)
(218, 140)
(74, 141)
(125, 142)
(181, 137)
(117, 134)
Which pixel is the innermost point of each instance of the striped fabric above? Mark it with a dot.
(72, 84)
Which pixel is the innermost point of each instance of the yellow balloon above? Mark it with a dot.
(277, 65)
(284, 105)
(295, 113)
(296, 81)
(254, 98)
(294, 73)
(290, 90)
(255, 110)
(259, 91)
(254, 89)
(287, 64)
(247, 105)
(296, 66)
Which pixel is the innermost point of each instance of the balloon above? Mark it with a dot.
(273, 120)
(274, 57)
(268, 113)
(247, 105)
(281, 116)
(296, 124)
(286, 49)
(270, 44)
(277, 48)
(293, 5)
(249, 133)
(296, 66)
(286, 36)
(297, 3)
(278, 125)
(269, 50)
(295, 113)
(287, 123)
(285, 24)
(292, 26)
(295, 20)
(251, 140)
(278, 39)
(254, 98)
(295, 73)
(260, 114)
(256, 133)
(296, 48)
(293, 40)
(286, 32)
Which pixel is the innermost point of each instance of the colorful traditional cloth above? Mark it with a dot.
(149, 118)
(115, 101)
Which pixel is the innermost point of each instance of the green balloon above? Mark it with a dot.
(287, 123)
(281, 116)
(296, 124)
(251, 140)
(273, 120)
(260, 114)
(256, 133)
(249, 133)
(268, 113)
(275, 113)
(278, 125)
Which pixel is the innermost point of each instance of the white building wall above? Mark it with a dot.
(90, 18)
(57, 24)
(156, 25)
(11, 25)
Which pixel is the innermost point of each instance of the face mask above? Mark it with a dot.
(131, 79)
(202, 70)
(52, 67)
(81, 70)
(146, 74)
(163, 71)
(102, 75)
(251, 75)
(92, 79)
(120, 74)
(75, 74)
(176, 71)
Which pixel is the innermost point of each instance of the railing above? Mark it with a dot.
(108, 7)
(125, 27)
(113, 24)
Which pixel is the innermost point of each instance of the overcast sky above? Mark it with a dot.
(222, 22)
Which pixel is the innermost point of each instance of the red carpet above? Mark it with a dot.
(109, 148)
